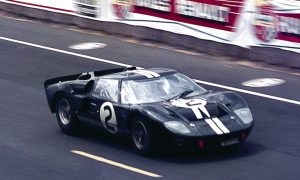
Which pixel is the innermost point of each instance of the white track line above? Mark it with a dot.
(128, 65)
(113, 163)
(64, 52)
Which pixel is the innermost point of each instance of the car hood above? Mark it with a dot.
(196, 111)
(189, 109)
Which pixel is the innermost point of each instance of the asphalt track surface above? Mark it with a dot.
(33, 147)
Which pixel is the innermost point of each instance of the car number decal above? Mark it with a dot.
(108, 117)
(198, 107)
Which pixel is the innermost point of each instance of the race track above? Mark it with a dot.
(33, 147)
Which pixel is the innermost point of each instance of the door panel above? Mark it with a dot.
(103, 108)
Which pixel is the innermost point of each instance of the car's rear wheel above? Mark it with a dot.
(141, 137)
(65, 116)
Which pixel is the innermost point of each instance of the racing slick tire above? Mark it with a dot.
(141, 137)
(65, 115)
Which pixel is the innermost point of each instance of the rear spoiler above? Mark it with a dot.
(85, 76)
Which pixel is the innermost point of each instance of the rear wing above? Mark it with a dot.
(85, 76)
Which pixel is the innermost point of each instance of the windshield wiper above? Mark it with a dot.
(181, 95)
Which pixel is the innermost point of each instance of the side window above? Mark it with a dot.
(106, 89)
(126, 93)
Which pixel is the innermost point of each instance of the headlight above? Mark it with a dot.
(177, 127)
(244, 114)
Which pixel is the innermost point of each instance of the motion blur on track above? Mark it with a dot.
(33, 147)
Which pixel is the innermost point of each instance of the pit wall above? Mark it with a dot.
(257, 30)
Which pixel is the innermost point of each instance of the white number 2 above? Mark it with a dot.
(108, 117)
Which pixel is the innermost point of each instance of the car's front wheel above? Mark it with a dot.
(65, 116)
(141, 137)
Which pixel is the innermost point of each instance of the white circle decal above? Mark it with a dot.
(108, 117)
(87, 46)
(263, 82)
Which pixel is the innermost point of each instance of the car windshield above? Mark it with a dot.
(158, 89)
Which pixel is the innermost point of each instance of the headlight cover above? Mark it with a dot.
(177, 127)
(244, 114)
(230, 99)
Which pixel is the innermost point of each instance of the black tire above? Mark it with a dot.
(65, 115)
(141, 137)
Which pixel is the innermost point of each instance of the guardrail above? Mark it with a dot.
(266, 53)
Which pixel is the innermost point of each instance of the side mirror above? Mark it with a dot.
(88, 87)
(84, 76)
(130, 68)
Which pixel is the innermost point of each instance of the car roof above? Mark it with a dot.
(139, 74)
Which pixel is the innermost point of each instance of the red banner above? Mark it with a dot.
(218, 14)
(288, 27)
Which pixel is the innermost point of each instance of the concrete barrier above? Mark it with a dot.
(267, 54)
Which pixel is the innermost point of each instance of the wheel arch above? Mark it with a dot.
(131, 118)
(54, 100)
(141, 115)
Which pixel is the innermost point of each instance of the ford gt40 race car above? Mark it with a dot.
(150, 105)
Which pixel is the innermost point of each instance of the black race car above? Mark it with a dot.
(152, 106)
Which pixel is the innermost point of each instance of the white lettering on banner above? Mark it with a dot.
(161, 5)
(85, 10)
(87, 7)
(201, 10)
(289, 25)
